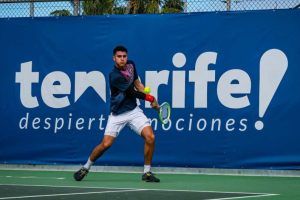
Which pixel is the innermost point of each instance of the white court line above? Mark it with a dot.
(262, 195)
(166, 190)
(68, 194)
(33, 177)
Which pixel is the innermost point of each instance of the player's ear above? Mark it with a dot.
(114, 59)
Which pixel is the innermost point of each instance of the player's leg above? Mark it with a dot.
(98, 151)
(114, 125)
(141, 125)
(107, 141)
(149, 138)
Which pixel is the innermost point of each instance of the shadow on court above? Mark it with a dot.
(52, 192)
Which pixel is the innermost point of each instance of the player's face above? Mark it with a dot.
(120, 59)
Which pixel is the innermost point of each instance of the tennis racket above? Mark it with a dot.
(164, 112)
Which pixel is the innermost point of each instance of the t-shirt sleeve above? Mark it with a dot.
(119, 82)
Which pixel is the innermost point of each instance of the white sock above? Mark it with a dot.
(88, 164)
(147, 168)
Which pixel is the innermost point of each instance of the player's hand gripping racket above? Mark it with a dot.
(164, 111)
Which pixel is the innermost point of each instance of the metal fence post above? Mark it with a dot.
(76, 4)
(228, 5)
(31, 8)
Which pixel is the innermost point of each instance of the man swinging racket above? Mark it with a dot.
(125, 88)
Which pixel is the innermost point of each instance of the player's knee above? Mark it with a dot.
(106, 144)
(150, 138)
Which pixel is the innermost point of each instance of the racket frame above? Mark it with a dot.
(166, 120)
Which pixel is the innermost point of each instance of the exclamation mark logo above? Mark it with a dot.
(273, 65)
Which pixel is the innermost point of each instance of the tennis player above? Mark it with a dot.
(125, 88)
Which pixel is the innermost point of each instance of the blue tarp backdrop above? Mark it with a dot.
(232, 80)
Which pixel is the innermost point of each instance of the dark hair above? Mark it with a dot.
(119, 48)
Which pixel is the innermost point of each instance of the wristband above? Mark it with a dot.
(149, 98)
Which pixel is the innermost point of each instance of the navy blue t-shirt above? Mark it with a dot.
(120, 81)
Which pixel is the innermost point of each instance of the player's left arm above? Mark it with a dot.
(139, 85)
(140, 88)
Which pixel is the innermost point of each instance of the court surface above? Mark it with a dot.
(26, 184)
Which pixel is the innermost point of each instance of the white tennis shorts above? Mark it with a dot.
(135, 119)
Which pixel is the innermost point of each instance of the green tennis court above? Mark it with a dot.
(26, 184)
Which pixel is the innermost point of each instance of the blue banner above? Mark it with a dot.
(232, 80)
